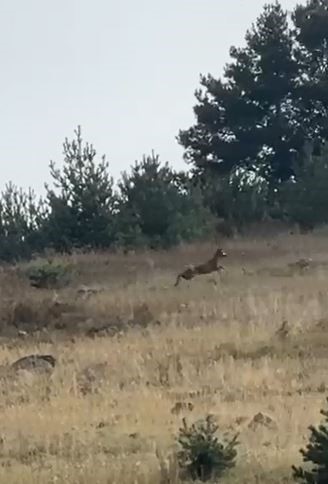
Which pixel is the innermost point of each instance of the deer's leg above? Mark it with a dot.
(216, 277)
(187, 275)
(178, 280)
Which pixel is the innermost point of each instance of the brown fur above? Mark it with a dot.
(212, 265)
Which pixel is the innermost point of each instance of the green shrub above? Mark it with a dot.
(316, 452)
(48, 275)
(82, 200)
(159, 207)
(305, 198)
(202, 455)
(22, 216)
(238, 199)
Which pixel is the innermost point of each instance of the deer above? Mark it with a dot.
(212, 265)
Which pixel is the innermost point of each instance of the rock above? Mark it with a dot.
(43, 363)
(19, 380)
(262, 420)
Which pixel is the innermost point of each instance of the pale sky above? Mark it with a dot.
(125, 71)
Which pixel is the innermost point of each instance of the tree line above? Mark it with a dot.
(256, 151)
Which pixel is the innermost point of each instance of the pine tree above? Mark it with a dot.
(22, 216)
(311, 95)
(158, 207)
(305, 198)
(246, 119)
(202, 456)
(317, 453)
(82, 201)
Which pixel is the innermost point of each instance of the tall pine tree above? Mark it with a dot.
(315, 456)
(247, 118)
(311, 96)
(82, 202)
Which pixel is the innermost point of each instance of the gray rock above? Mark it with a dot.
(44, 363)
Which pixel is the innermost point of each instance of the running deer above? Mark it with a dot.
(208, 267)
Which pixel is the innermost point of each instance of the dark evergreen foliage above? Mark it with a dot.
(82, 202)
(22, 217)
(316, 453)
(311, 95)
(202, 456)
(159, 207)
(304, 199)
(246, 118)
(271, 100)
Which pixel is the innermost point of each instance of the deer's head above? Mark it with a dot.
(220, 253)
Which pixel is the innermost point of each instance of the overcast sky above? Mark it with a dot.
(125, 70)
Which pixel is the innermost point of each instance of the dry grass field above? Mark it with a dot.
(111, 410)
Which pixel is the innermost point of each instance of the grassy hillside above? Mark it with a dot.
(136, 355)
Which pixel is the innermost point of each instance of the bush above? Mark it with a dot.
(48, 275)
(305, 198)
(202, 456)
(22, 216)
(160, 208)
(82, 201)
(316, 452)
(240, 198)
